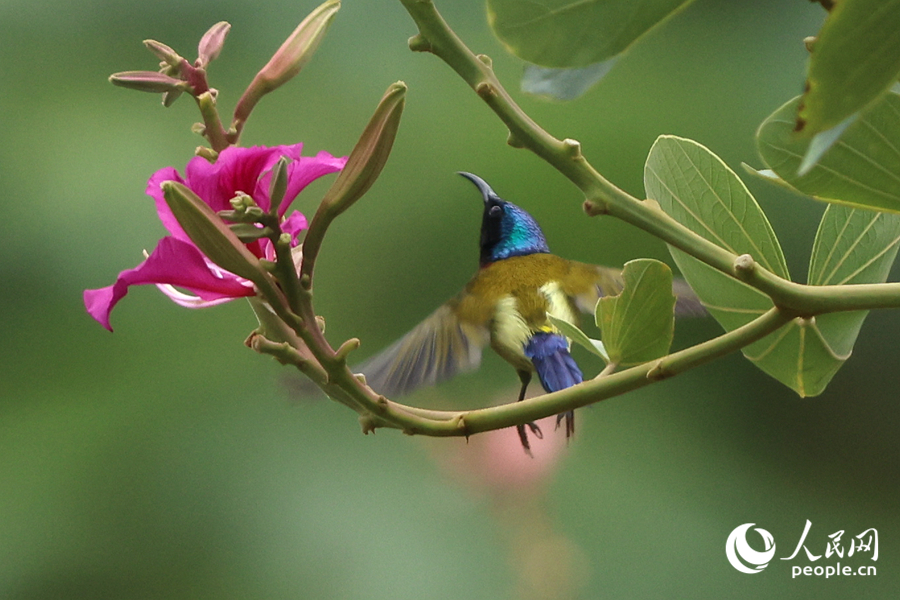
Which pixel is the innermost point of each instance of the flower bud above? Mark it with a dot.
(170, 97)
(248, 232)
(147, 81)
(164, 53)
(370, 154)
(244, 210)
(209, 233)
(293, 54)
(279, 184)
(211, 43)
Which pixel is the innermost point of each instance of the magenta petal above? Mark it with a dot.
(294, 224)
(306, 169)
(236, 170)
(174, 262)
(162, 209)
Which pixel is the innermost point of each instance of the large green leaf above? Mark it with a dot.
(854, 59)
(699, 191)
(861, 169)
(574, 33)
(852, 246)
(638, 324)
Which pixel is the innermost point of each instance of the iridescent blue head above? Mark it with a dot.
(506, 229)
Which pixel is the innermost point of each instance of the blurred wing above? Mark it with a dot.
(608, 282)
(687, 304)
(604, 281)
(435, 350)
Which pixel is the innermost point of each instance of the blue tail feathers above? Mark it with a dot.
(555, 367)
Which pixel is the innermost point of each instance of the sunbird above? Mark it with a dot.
(506, 304)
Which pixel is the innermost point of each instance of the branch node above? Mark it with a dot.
(652, 204)
(514, 141)
(320, 323)
(419, 43)
(484, 58)
(306, 282)
(251, 341)
(572, 148)
(743, 267)
(345, 349)
(282, 352)
(367, 422)
(486, 90)
(461, 425)
(659, 371)
(595, 208)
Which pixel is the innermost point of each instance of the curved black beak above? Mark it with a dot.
(482, 185)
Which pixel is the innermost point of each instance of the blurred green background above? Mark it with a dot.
(167, 460)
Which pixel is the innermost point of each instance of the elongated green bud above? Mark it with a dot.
(279, 184)
(370, 154)
(248, 232)
(209, 233)
(292, 56)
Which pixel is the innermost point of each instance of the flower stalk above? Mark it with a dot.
(286, 63)
(364, 165)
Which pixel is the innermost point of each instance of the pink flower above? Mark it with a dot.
(176, 261)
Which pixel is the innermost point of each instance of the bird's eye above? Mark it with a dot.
(495, 211)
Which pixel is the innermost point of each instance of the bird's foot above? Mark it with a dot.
(570, 422)
(523, 436)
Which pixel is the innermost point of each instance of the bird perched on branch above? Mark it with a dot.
(505, 304)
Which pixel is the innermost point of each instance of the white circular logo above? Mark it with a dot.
(744, 558)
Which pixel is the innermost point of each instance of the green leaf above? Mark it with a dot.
(638, 324)
(574, 33)
(699, 191)
(861, 169)
(854, 59)
(563, 84)
(797, 356)
(852, 246)
(822, 142)
(579, 337)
